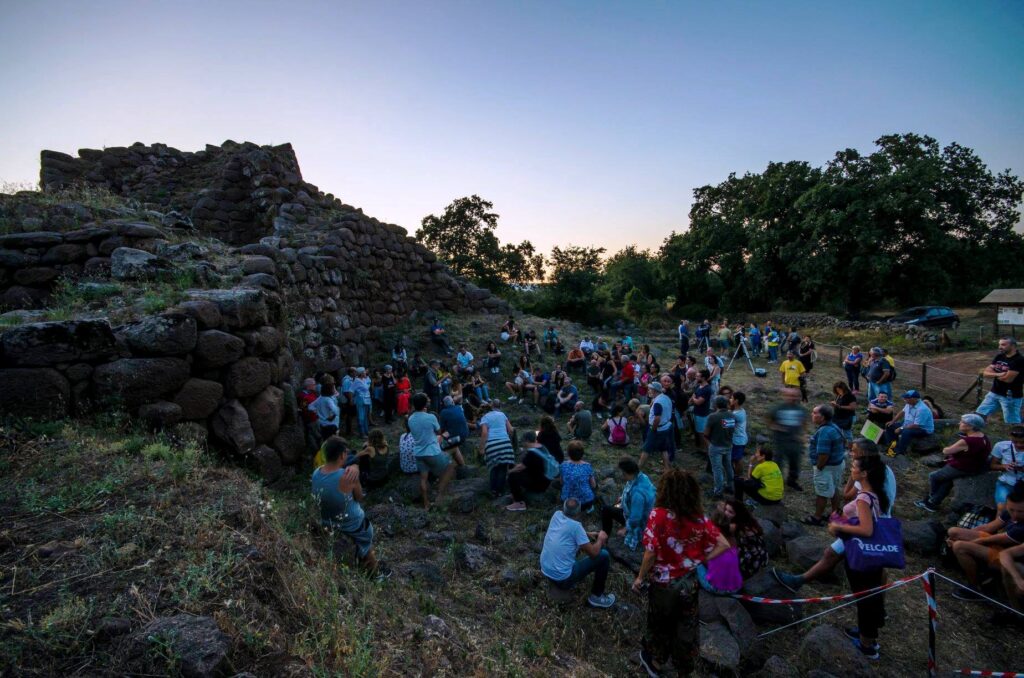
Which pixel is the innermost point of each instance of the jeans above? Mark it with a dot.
(627, 390)
(1010, 406)
(598, 565)
(684, 345)
(852, 377)
(907, 435)
(874, 389)
(483, 393)
(941, 482)
(673, 624)
(363, 414)
(721, 467)
(773, 353)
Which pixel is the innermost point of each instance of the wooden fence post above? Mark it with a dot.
(980, 383)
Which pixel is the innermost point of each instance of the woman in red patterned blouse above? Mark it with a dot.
(678, 537)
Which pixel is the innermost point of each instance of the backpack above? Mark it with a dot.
(551, 469)
(618, 435)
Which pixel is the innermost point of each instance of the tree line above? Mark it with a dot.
(911, 223)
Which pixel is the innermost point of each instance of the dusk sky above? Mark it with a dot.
(583, 122)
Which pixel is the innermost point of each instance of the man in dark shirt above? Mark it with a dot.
(701, 401)
(879, 374)
(453, 423)
(1007, 373)
(787, 421)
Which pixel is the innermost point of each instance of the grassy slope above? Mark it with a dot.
(139, 528)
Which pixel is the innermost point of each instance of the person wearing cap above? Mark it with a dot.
(363, 400)
(968, 456)
(1008, 457)
(1007, 373)
(879, 374)
(914, 421)
(659, 421)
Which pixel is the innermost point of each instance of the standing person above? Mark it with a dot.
(1008, 457)
(714, 366)
(337, 492)
(363, 400)
(852, 364)
(403, 396)
(968, 456)
(684, 337)
(870, 504)
(310, 428)
(772, 340)
(400, 357)
(347, 399)
(755, 340)
(792, 371)
(724, 336)
(845, 407)
(633, 507)
(432, 384)
(532, 474)
(678, 537)
(564, 538)
(806, 354)
(659, 421)
(787, 421)
(326, 409)
(389, 384)
(1007, 373)
(739, 435)
(879, 374)
(827, 452)
(719, 432)
(455, 429)
(425, 428)
(701, 401)
(793, 340)
(496, 446)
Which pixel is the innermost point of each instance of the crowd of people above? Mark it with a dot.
(691, 538)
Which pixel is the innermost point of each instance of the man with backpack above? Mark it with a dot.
(827, 452)
(533, 474)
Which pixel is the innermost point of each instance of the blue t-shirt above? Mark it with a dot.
(576, 481)
(424, 429)
(453, 420)
(327, 410)
(739, 434)
(704, 409)
(361, 390)
(828, 440)
(563, 539)
(465, 359)
(684, 331)
(495, 421)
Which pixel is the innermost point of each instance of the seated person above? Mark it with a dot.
(531, 343)
(533, 474)
(914, 421)
(481, 389)
(576, 360)
(880, 410)
(564, 538)
(509, 331)
(567, 397)
(374, 461)
(633, 507)
(559, 347)
(587, 346)
(400, 357)
(493, 357)
(550, 337)
(1011, 566)
(986, 543)
(521, 386)
(616, 428)
(763, 483)
(578, 481)
(749, 537)
(721, 574)
(337, 492)
(833, 554)
(581, 424)
(439, 336)
(464, 362)
(968, 456)
(1008, 457)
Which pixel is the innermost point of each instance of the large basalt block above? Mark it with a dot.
(215, 348)
(231, 426)
(266, 411)
(199, 398)
(35, 392)
(247, 377)
(140, 380)
(171, 334)
(50, 343)
(239, 308)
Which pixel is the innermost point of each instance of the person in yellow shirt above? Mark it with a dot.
(791, 369)
(764, 481)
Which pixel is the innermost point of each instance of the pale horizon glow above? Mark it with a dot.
(584, 123)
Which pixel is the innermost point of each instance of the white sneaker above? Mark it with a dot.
(511, 398)
(607, 600)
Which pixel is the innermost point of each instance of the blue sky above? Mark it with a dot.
(583, 122)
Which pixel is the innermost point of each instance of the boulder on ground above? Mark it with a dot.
(265, 413)
(805, 551)
(198, 398)
(160, 415)
(826, 648)
(772, 537)
(290, 443)
(776, 667)
(764, 585)
(231, 426)
(718, 647)
(922, 537)
(216, 349)
(50, 343)
(974, 490)
(35, 392)
(140, 380)
(198, 647)
(247, 377)
(127, 263)
(268, 463)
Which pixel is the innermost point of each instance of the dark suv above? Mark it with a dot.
(927, 316)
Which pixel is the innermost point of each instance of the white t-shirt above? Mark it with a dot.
(1005, 453)
(495, 422)
(564, 538)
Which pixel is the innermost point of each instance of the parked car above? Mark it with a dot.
(927, 316)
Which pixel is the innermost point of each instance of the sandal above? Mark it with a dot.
(814, 522)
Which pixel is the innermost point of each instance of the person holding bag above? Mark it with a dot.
(857, 526)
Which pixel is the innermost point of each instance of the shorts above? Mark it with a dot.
(1011, 407)
(738, 451)
(700, 423)
(1002, 492)
(828, 480)
(435, 463)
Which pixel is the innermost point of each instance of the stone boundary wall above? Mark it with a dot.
(215, 363)
(787, 320)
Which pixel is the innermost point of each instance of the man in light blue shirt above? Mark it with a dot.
(465, 361)
(425, 428)
(917, 421)
(564, 538)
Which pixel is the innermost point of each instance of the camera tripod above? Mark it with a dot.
(703, 344)
(746, 355)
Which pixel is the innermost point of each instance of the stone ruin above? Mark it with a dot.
(293, 281)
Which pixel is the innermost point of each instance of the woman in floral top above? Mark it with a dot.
(578, 480)
(678, 537)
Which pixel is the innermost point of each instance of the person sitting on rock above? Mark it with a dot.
(915, 420)
(587, 346)
(834, 553)
(432, 384)
(533, 474)
(521, 385)
(567, 397)
(550, 439)
(481, 389)
(493, 357)
(748, 536)
(616, 427)
(374, 461)
(1008, 457)
(987, 543)
(763, 484)
(531, 343)
(578, 481)
(721, 574)
(576, 360)
(464, 362)
(439, 336)
(634, 505)
(559, 347)
(968, 456)
(430, 458)
(337, 492)
(581, 423)
(566, 537)
(509, 330)
(550, 338)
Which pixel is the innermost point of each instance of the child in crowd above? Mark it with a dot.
(721, 574)
(578, 481)
(374, 461)
(763, 483)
